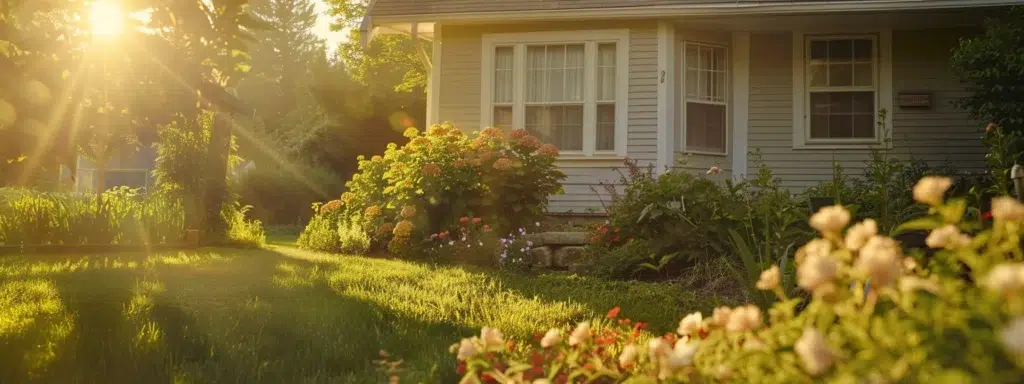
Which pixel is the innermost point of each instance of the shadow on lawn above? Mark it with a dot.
(217, 315)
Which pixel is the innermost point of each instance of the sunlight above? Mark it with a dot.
(106, 18)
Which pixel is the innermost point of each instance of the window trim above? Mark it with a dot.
(801, 92)
(590, 39)
(684, 98)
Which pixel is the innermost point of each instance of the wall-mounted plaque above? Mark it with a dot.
(914, 100)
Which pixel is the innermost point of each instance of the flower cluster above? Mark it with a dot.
(874, 314)
(330, 207)
(608, 235)
(516, 251)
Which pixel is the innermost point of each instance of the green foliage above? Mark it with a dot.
(1004, 148)
(126, 217)
(322, 231)
(991, 65)
(440, 176)
(241, 231)
(635, 258)
(873, 314)
(353, 240)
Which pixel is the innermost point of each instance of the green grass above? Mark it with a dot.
(278, 315)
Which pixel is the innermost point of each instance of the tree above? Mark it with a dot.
(992, 67)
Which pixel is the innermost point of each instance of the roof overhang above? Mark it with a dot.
(423, 24)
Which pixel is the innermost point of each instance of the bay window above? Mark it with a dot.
(566, 88)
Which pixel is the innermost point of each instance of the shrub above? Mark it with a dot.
(353, 240)
(442, 175)
(634, 258)
(127, 217)
(990, 65)
(873, 314)
(241, 231)
(321, 233)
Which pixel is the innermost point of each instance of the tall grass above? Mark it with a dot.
(126, 216)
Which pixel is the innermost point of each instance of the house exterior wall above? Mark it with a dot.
(940, 135)
(459, 102)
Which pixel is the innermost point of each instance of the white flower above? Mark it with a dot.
(714, 171)
(536, 224)
(770, 279)
(580, 334)
(629, 354)
(880, 260)
(948, 237)
(930, 189)
(831, 219)
(745, 318)
(720, 316)
(724, 372)
(909, 264)
(860, 233)
(1007, 208)
(682, 354)
(491, 337)
(813, 351)
(691, 324)
(815, 271)
(481, 243)
(1013, 336)
(658, 347)
(451, 242)
(816, 247)
(467, 349)
(1005, 279)
(552, 337)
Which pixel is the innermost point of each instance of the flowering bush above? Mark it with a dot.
(873, 314)
(442, 175)
(515, 251)
(469, 240)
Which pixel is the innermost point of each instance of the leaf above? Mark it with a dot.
(644, 212)
(746, 255)
(953, 210)
(919, 224)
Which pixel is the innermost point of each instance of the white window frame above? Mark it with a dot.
(683, 67)
(590, 39)
(801, 91)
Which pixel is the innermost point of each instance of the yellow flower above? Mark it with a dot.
(1006, 279)
(1007, 208)
(930, 189)
(348, 197)
(580, 334)
(909, 284)
(411, 132)
(551, 338)
(830, 219)
(682, 354)
(813, 352)
(691, 324)
(860, 233)
(816, 247)
(1013, 336)
(948, 237)
(491, 337)
(880, 260)
(770, 279)
(403, 228)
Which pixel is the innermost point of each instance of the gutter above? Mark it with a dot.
(720, 9)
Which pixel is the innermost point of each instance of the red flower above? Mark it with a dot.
(986, 215)
(443, 234)
(511, 344)
(625, 321)
(537, 359)
(487, 228)
(537, 370)
(461, 369)
(477, 220)
(588, 366)
(612, 313)
(464, 220)
(616, 239)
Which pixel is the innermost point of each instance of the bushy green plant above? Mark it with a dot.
(872, 314)
(321, 233)
(353, 240)
(442, 175)
(990, 65)
(242, 231)
(636, 258)
(126, 217)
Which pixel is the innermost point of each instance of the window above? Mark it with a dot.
(705, 84)
(567, 88)
(841, 76)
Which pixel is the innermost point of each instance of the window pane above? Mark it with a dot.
(863, 49)
(722, 87)
(842, 115)
(863, 126)
(705, 127)
(606, 127)
(840, 126)
(819, 50)
(606, 72)
(840, 50)
(817, 74)
(574, 73)
(536, 71)
(503, 117)
(840, 75)
(820, 103)
(503, 85)
(819, 126)
(691, 83)
(559, 125)
(863, 102)
(863, 75)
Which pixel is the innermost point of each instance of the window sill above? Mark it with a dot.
(589, 161)
(703, 153)
(840, 145)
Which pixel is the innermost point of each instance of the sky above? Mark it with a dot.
(323, 27)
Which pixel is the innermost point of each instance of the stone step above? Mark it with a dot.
(566, 256)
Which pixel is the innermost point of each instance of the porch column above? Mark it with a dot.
(434, 80)
(666, 95)
(740, 102)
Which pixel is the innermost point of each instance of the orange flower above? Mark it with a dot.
(372, 211)
(408, 211)
(549, 150)
(613, 313)
(403, 229)
(476, 220)
(503, 164)
(421, 141)
(331, 206)
(376, 158)
(530, 141)
(386, 228)
(491, 132)
(518, 134)
(431, 169)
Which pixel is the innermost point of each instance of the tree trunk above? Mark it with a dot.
(101, 176)
(216, 191)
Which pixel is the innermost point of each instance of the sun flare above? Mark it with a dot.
(106, 18)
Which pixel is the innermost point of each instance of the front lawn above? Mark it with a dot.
(279, 315)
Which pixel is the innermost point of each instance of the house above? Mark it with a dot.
(802, 81)
(131, 167)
